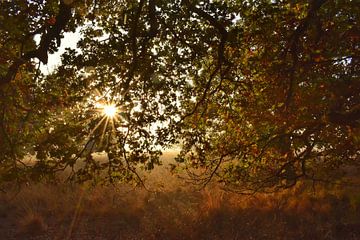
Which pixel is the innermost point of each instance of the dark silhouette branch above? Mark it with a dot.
(221, 55)
(134, 47)
(315, 5)
(215, 23)
(53, 33)
(347, 118)
(204, 95)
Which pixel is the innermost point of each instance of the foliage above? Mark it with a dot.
(259, 94)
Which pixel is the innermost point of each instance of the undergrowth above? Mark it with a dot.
(41, 211)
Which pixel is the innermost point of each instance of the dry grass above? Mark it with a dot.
(176, 212)
(80, 212)
(31, 224)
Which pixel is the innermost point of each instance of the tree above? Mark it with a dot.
(258, 94)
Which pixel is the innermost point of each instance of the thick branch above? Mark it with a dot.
(219, 26)
(206, 16)
(134, 48)
(53, 33)
(294, 42)
(221, 48)
(41, 52)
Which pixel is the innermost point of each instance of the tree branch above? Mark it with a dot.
(41, 52)
(315, 5)
(349, 118)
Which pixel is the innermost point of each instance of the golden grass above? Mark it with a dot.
(175, 211)
(31, 224)
(83, 212)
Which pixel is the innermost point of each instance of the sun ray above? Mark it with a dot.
(110, 117)
(97, 125)
(104, 130)
(116, 118)
(113, 124)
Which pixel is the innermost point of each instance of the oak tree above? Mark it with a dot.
(258, 94)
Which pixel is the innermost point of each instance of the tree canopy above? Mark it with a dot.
(258, 94)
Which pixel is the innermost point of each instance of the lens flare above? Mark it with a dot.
(109, 110)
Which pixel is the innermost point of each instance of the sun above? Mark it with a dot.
(109, 110)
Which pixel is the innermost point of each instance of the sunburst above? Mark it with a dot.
(108, 116)
(109, 110)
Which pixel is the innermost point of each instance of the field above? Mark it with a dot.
(177, 211)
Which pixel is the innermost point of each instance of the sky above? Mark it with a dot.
(69, 41)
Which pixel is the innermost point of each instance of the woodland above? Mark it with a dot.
(256, 95)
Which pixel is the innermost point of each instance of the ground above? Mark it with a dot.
(177, 211)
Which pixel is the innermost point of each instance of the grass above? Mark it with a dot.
(176, 211)
(80, 212)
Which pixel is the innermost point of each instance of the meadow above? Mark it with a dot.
(176, 210)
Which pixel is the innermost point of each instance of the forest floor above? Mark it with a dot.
(175, 211)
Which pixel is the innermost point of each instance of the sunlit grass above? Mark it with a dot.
(118, 212)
